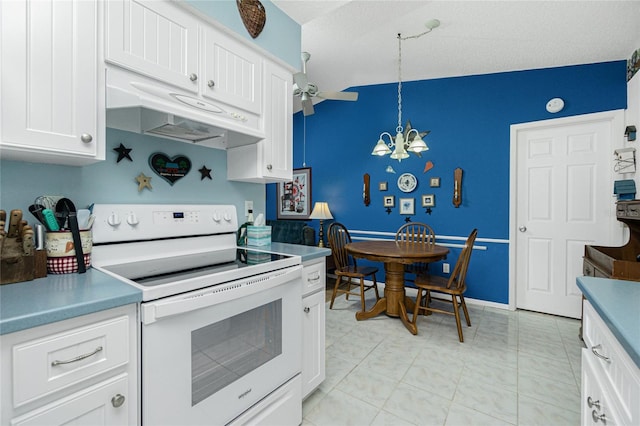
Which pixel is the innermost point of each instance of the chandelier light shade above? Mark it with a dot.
(411, 139)
(321, 211)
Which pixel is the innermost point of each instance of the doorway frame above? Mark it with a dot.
(617, 119)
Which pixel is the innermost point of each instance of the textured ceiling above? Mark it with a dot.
(354, 43)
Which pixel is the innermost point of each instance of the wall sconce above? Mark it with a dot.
(321, 211)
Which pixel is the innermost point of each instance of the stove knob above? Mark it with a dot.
(216, 217)
(132, 219)
(113, 219)
(227, 217)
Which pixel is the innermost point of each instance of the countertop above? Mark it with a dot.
(58, 297)
(305, 252)
(618, 303)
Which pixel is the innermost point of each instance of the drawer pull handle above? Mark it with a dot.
(76, 359)
(316, 277)
(596, 417)
(591, 403)
(595, 352)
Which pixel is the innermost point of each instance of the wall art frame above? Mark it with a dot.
(382, 186)
(407, 206)
(428, 200)
(434, 182)
(389, 201)
(293, 198)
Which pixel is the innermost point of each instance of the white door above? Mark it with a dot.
(563, 183)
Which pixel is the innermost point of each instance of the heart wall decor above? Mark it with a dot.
(253, 16)
(169, 169)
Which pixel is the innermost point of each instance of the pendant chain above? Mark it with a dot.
(399, 128)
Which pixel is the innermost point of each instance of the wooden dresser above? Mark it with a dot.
(617, 262)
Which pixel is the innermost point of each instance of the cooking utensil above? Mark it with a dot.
(67, 210)
(50, 220)
(83, 218)
(36, 211)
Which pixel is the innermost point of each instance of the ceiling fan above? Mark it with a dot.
(305, 90)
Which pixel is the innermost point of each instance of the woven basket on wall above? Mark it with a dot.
(253, 16)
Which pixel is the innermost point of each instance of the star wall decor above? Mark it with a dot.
(143, 182)
(205, 173)
(123, 152)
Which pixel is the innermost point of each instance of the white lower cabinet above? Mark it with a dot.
(610, 379)
(313, 325)
(82, 371)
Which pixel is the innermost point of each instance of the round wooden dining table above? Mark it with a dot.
(395, 255)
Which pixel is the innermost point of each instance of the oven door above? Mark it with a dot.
(209, 355)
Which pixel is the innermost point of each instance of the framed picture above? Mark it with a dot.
(434, 182)
(382, 186)
(428, 200)
(389, 201)
(407, 206)
(294, 198)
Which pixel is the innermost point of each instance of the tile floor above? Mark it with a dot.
(514, 368)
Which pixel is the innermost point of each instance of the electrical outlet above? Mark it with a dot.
(445, 268)
(248, 205)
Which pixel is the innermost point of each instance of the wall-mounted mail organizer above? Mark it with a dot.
(625, 160)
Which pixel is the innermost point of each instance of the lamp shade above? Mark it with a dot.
(321, 211)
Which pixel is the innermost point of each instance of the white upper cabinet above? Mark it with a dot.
(155, 38)
(231, 73)
(52, 106)
(271, 159)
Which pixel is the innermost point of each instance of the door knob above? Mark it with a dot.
(522, 228)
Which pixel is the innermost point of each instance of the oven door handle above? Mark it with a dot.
(176, 305)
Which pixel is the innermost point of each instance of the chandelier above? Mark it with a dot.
(411, 140)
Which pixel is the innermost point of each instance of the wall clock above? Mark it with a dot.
(407, 182)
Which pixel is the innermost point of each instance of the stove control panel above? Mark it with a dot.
(133, 222)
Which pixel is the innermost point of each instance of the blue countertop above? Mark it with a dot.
(618, 303)
(305, 252)
(59, 297)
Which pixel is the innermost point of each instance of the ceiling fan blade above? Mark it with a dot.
(307, 106)
(300, 79)
(339, 96)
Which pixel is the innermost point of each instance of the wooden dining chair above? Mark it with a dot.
(346, 267)
(416, 233)
(454, 287)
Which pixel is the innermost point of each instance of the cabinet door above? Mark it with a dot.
(50, 81)
(313, 342)
(278, 123)
(232, 73)
(155, 38)
(104, 404)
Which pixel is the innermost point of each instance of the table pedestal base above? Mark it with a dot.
(395, 302)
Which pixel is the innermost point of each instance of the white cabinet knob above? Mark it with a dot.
(193, 77)
(211, 83)
(86, 137)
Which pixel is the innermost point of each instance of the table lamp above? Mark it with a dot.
(321, 211)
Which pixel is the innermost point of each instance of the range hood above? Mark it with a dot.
(141, 105)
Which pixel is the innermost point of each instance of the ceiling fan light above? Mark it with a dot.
(380, 149)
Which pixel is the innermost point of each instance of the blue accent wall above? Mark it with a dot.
(469, 119)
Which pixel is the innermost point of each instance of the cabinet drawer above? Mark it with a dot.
(617, 368)
(48, 364)
(596, 395)
(93, 406)
(313, 277)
